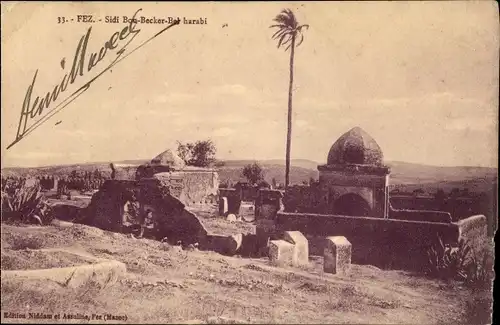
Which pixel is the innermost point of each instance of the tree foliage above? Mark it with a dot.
(288, 29)
(199, 153)
(253, 173)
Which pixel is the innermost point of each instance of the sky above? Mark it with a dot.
(420, 77)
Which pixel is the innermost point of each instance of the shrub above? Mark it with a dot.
(22, 203)
(446, 262)
(459, 263)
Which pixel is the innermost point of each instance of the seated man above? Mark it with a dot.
(148, 222)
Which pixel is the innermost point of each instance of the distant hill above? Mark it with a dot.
(302, 163)
(232, 171)
(403, 174)
(410, 176)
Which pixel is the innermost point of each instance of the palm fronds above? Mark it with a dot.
(288, 29)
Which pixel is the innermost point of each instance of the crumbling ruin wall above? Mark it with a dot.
(171, 219)
(106, 206)
(191, 187)
(148, 170)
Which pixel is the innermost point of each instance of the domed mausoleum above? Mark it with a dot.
(355, 147)
(355, 179)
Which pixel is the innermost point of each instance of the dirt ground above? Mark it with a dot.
(165, 284)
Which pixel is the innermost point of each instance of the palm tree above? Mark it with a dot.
(288, 32)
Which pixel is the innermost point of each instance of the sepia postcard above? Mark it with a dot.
(249, 162)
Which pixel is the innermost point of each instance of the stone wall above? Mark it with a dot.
(325, 199)
(305, 199)
(420, 215)
(369, 185)
(381, 242)
(190, 187)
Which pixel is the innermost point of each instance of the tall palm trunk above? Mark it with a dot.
(289, 130)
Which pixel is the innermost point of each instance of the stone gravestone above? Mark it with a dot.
(282, 252)
(337, 255)
(56, 181)
(223, 207)
(247, 209)
(301, 246)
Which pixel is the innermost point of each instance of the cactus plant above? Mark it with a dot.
(21, 203)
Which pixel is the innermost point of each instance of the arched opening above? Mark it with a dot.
(352, 205)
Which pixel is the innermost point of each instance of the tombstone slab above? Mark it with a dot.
(301, 246)
(282, 252)
(231, 217)
(337, 255)
(247, 209)
(223, 207)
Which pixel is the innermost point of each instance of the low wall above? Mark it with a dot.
(420, 215)
(382, 242)
(389, 229)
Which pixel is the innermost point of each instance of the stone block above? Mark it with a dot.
(282, 252)
(231, 217)
(337, 255)
(301, 246)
